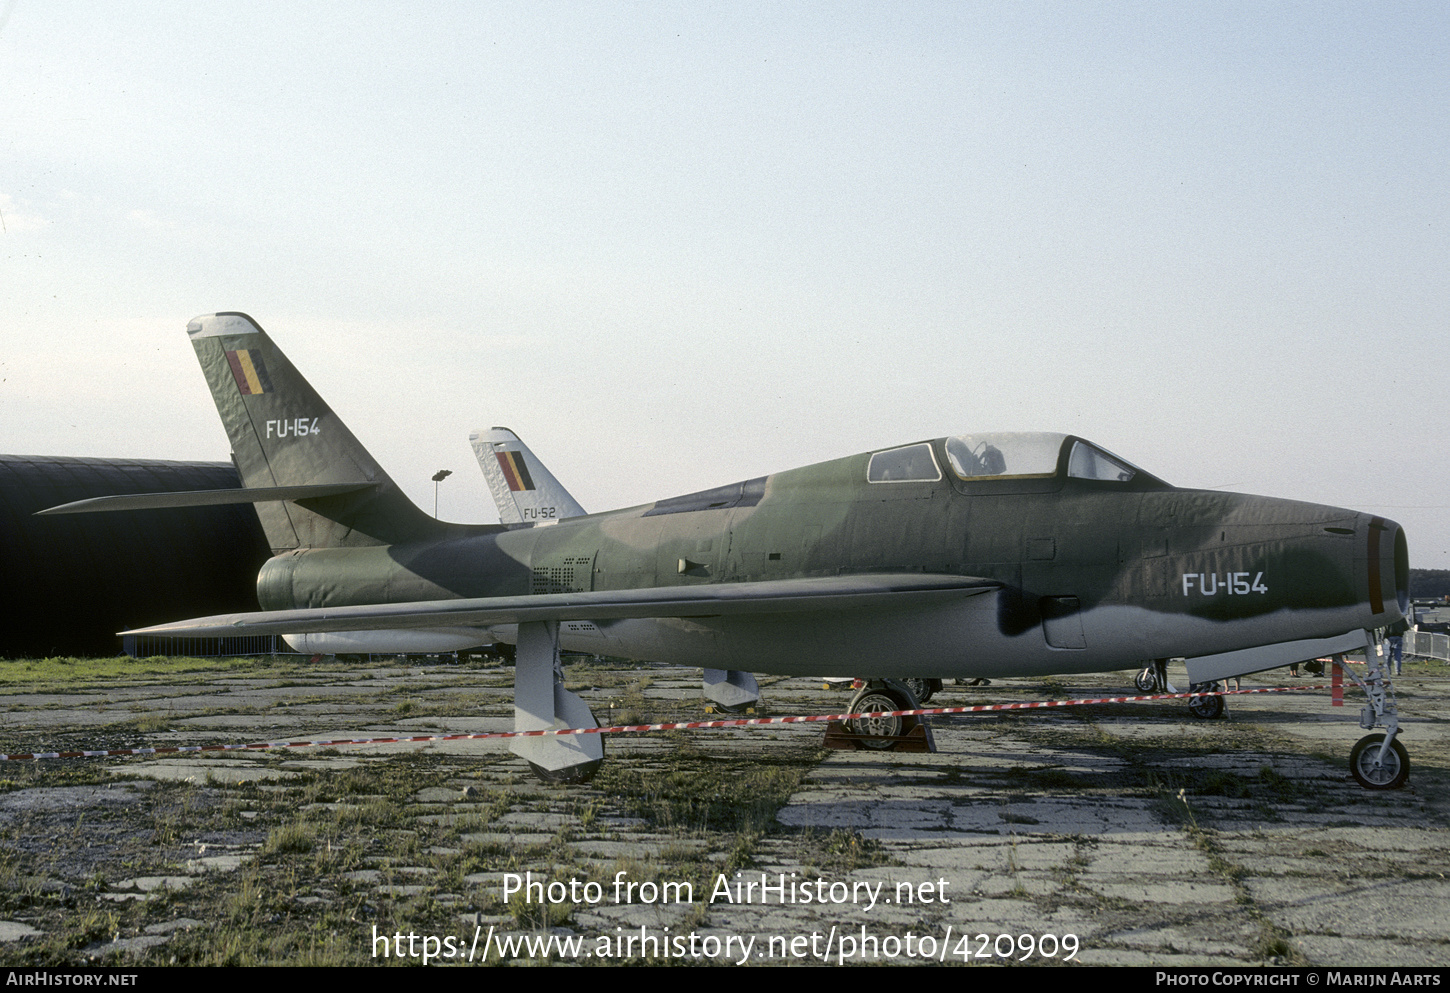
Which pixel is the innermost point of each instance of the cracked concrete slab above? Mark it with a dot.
(1149, 837)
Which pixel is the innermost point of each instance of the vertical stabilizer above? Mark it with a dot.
(525, 491)
(284, 434)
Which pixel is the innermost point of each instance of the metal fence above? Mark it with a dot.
(147, 646)
(1427, 645)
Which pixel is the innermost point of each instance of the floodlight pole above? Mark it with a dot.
(438, 477)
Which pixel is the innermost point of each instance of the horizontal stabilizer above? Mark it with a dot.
(735, 599)
(203, 498)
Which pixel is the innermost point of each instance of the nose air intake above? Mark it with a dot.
(1389, 567)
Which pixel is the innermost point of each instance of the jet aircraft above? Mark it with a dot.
(973, 555)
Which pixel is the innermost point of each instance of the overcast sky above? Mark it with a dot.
(679, 245)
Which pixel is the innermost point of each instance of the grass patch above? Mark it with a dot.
(292, 838)
(701, 794)
(67, 672)
(845, 850)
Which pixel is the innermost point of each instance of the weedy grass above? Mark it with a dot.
(66, 672)
(844, 850)
(697, 794)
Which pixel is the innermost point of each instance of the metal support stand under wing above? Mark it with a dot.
(541, 702)
(731, 689)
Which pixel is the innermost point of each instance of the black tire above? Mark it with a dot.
(1390, 775)
(1146, 680)
(887, 728)
(1207, 707)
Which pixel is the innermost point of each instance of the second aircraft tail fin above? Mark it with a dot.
(525, 491)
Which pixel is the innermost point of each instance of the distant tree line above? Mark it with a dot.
(1426, 583)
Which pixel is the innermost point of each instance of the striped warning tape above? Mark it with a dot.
(637, 728)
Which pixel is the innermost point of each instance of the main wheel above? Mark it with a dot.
(1206, 707)
(1374, 773)
(877, 726)
(922, 689)
(1147, 680)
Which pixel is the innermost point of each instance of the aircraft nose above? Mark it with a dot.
(1386, 567)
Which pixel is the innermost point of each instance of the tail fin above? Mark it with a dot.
(284, 435)
(524, 490)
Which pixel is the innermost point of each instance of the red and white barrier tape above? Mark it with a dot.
(634, 728)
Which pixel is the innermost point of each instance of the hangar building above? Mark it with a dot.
(69, 583)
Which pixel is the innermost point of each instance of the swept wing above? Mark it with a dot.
(768, 597)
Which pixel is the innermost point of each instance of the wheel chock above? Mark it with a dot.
(917, 739)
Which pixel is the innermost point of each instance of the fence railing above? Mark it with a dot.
(146, 646)
(1427, 645)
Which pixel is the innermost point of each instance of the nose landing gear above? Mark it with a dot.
(1376, 766)
(1377, 761)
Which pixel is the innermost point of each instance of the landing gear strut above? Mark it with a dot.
(1378, 761)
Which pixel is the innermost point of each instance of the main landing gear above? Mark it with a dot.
(1204, 704)
(922, 689)
(1210, 705)
(881, 732)
(1154, 678)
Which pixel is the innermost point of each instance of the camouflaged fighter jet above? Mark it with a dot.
(971, 555)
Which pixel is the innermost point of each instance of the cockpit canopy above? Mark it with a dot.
(1031, 455)
(1003, 455)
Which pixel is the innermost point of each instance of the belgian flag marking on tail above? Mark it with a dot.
(249, 371)
(514, 471)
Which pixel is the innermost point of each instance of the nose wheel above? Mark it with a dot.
(1378, 761)
(1378, 768)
